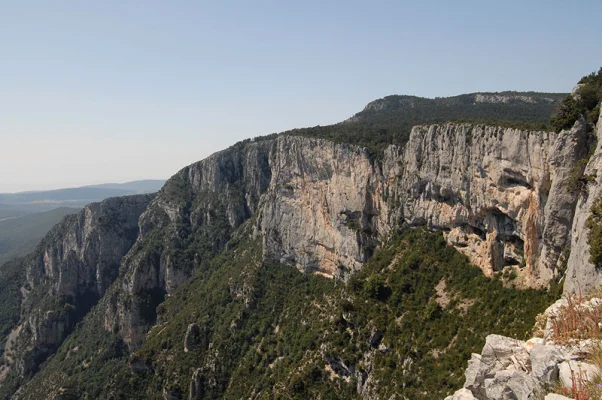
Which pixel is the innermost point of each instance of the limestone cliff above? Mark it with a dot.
(319, 207)
(502, 195)
(582, 275)
(189, 221)
(324, 208)
(70, 271)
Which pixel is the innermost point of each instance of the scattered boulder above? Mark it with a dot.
(544, 362)
(574, 370)
(193, 335)
(554, 396)
(462, 394)
(375, 337)
(197, 385)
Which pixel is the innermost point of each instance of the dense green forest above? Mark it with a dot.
(586, 102)
(269, 331)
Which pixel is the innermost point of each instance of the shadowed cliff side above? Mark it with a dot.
(66, 275)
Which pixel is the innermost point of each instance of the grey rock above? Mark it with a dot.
(581, 275)
(520, 386)
(554, 396)
(375, 337)
(509, 385)
(462, 394)
(501, 352)
(498, 192)
(192, 338)
(501, 371)
(475, 373)
(544, 362)
(197, 385)
(578, 371)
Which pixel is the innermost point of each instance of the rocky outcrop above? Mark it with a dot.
(196, 385)
(582, 275)
(70, 271)
(500, 195)
(190, 220)
(192, 338)
(513, 369)
(498, 98)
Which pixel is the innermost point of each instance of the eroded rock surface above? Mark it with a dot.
(70, 271)
(501, 195)
(581, 275)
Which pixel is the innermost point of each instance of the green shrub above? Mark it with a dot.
(594, 224)
(586, 102)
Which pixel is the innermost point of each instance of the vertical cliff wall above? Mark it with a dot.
(188, 223)
(501, 195)
(69, 272)
(324, 209)
(582, 275)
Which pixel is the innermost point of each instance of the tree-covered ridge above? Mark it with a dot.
(265, 330)
(585, 101)
(390, 120)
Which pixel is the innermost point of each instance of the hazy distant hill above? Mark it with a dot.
(74, 197)
(20, 234)
(140, 187)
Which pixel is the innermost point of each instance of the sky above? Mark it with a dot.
(113, 91)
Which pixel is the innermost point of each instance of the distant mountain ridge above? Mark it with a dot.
(389, 120)
(35, 201)
(26, 217)
(396, 102)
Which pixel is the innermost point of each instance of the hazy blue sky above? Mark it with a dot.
(103, 91)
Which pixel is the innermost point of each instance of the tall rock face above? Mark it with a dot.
(501, 195)
(324, 208)
(188, 223)
(69, 272)
(582, 275)
(82, 253)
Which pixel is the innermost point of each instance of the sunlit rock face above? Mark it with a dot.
(582, 276)
(501, 195)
